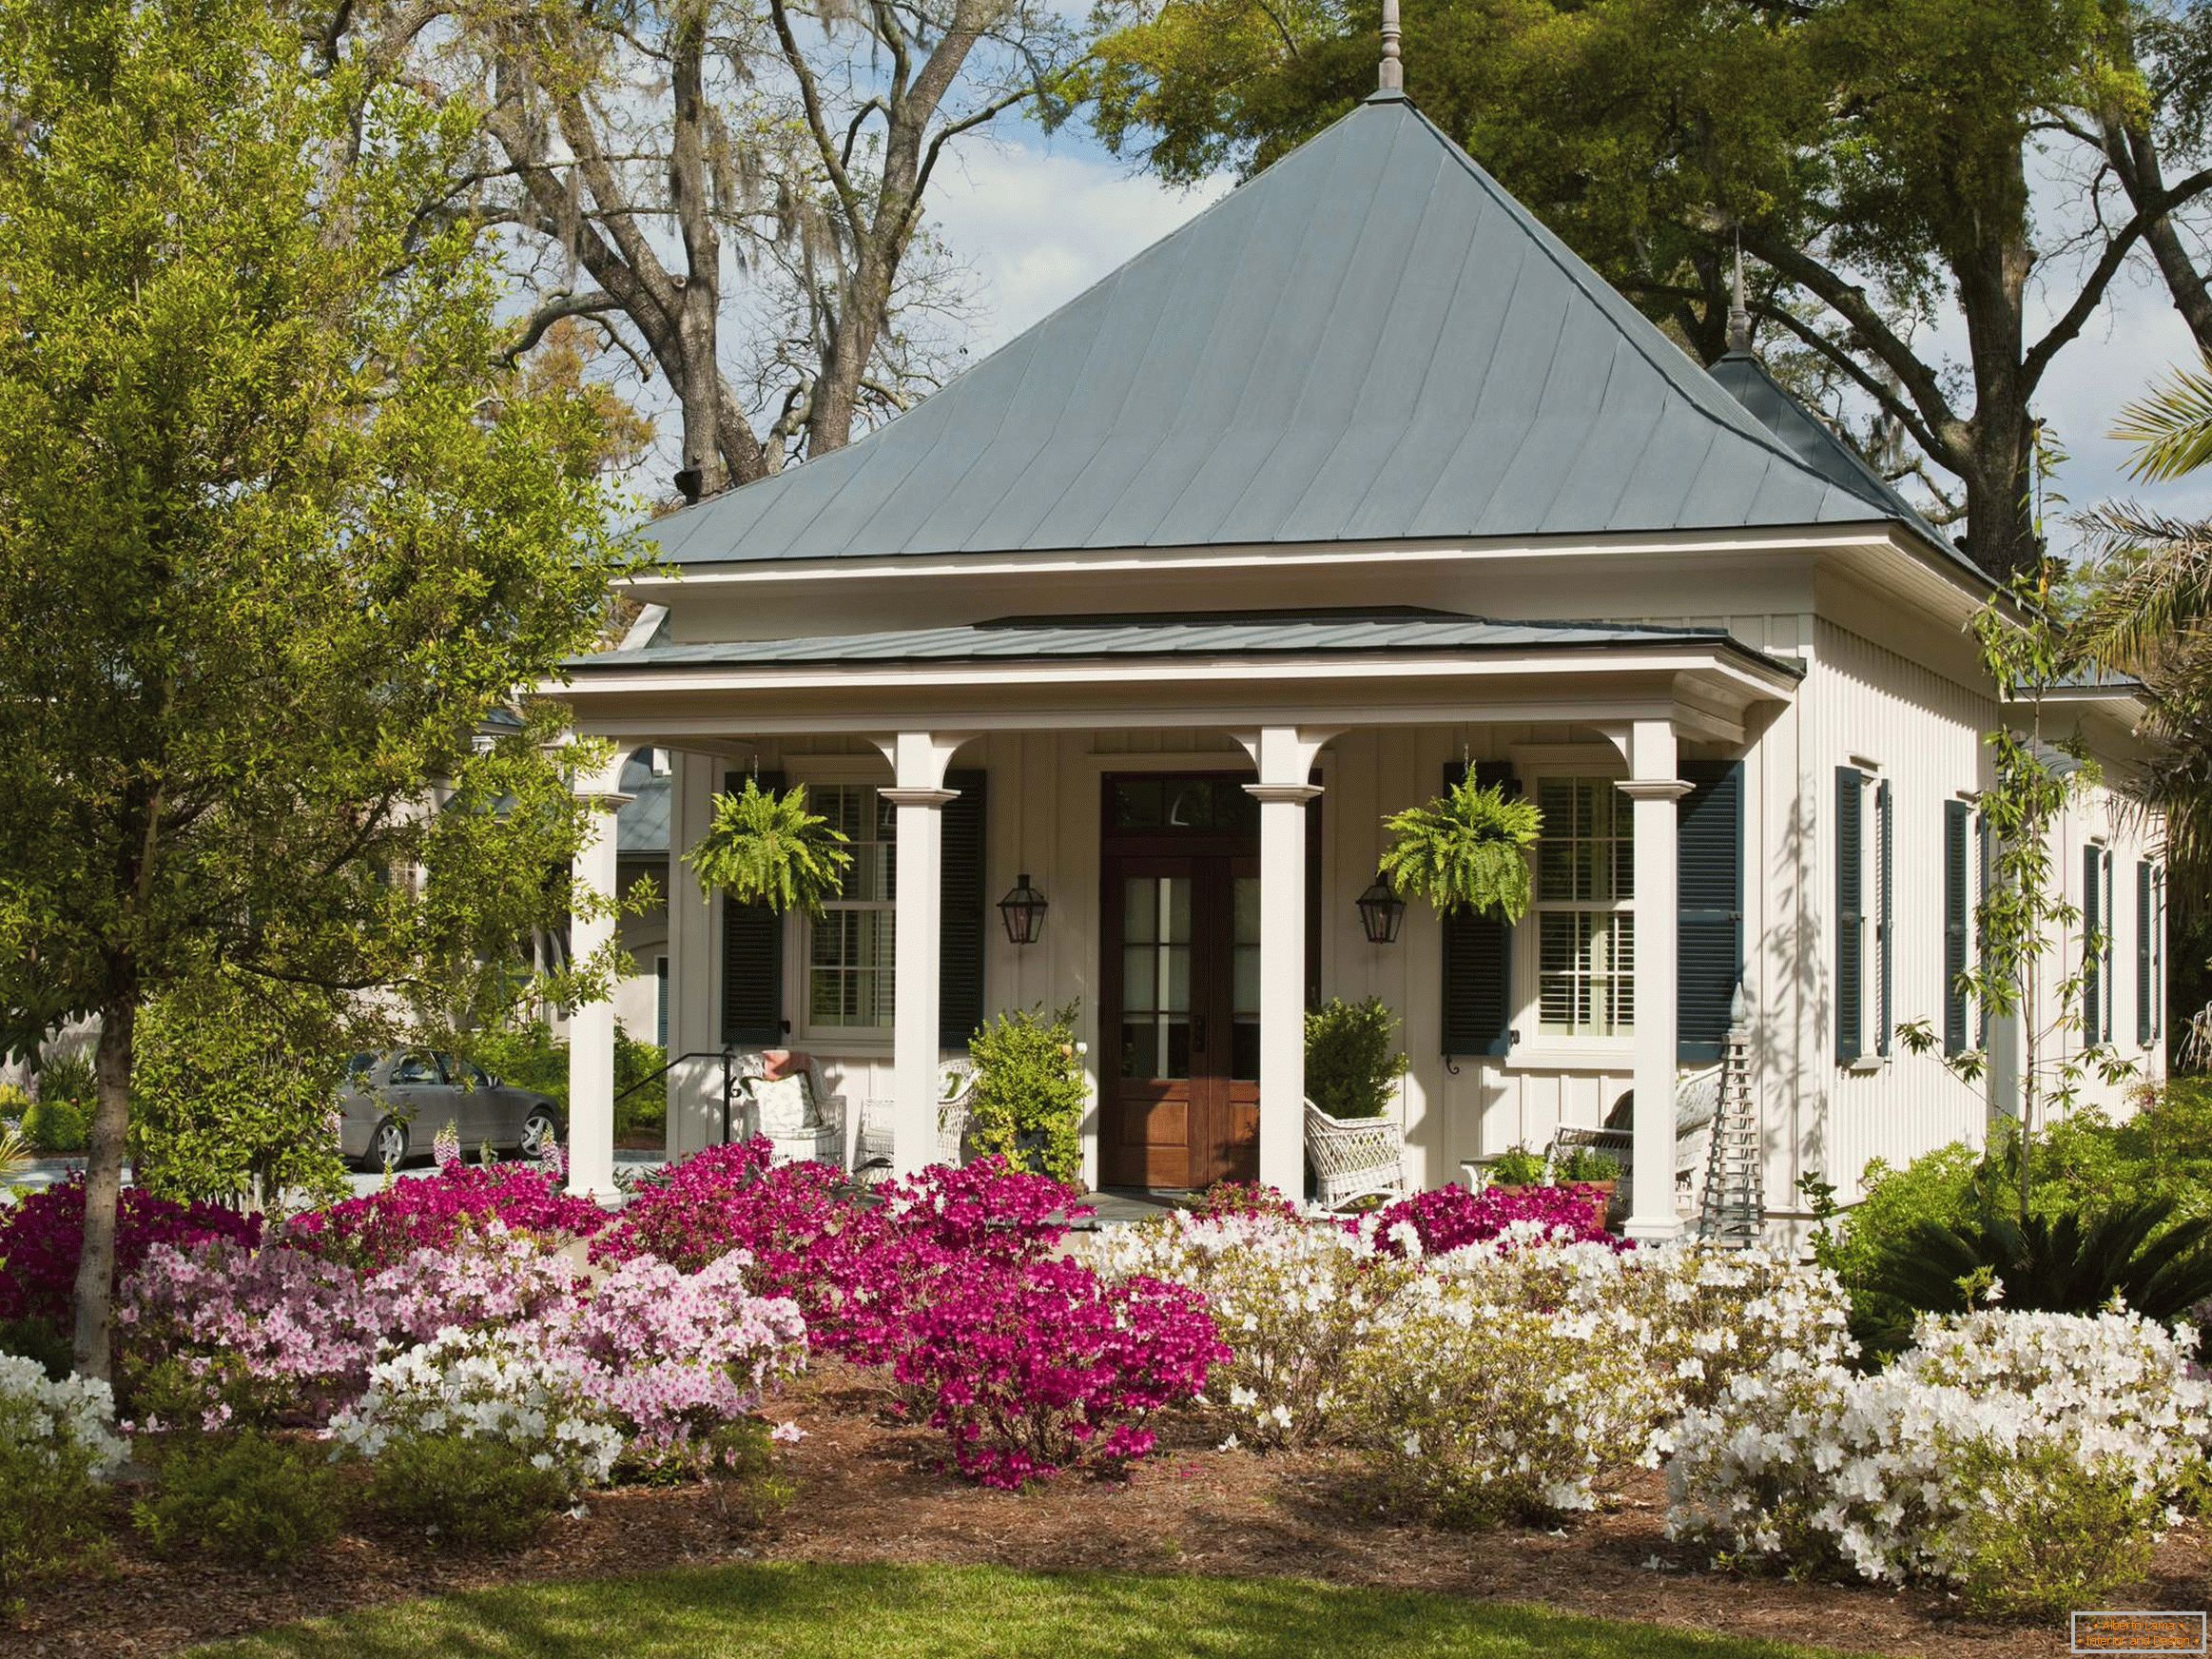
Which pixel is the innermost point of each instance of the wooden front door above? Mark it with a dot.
(1180, 978)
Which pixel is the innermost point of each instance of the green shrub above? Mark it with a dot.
(464, 1492)
(68, 1077)
(13, 1102)
(1517, 1166)
(529, 1058)
(42, 1340)
(55, 1125)
(1353, 1063)
(2047, 1535)
(52, 1510)
(251, 1501)
(1029, 1096)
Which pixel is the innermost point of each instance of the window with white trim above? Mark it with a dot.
(850, 946)
(1584, 908)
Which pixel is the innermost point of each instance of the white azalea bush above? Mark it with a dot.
(57, 1443)
(477, 1438)
(1296, 1301)
(2026, 1459)
(1476, 1407)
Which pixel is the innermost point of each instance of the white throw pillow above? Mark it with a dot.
(786, 1105)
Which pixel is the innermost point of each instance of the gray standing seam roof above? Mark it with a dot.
(1289, 633)
(1370, 340)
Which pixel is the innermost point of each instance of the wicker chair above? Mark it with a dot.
(1697, 1099)
(1354, 1157)
(871, 1159)
(824, 1142)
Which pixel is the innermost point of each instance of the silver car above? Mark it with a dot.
(393, 1105)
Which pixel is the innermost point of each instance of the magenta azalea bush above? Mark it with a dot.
(1038, 1367)
(386, 1227)
(41, 1237)
(1451, 1218)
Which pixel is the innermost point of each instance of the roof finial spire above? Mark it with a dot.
(1739, 313)
(1392, 76)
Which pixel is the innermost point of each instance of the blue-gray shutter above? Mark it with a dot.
(1709, 882)
(1885, 927)
(2092, 987)
(1955, 817)
(964, 908)
(1849, 920)
(1981, 926)
(1478, 1005)
(752, 959)
(2142, 979)
(2105, 955)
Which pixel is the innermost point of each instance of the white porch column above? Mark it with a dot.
(1654, 788)
(1284, 758)
(918, 760)
(591, 1025)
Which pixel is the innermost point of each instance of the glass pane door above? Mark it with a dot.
(1156, 977)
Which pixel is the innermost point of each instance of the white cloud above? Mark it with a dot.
(1041, 225)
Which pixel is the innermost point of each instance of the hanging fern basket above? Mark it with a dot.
(765, 848)
(1467, 849)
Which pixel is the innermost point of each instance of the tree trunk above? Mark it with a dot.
(95, 1292)
(1990, 265)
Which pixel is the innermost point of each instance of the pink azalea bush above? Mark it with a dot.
(42, 1237)
(1451, 1218)
(386, 1227)
(1037, 1367)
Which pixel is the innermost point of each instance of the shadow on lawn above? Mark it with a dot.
(806, 1611)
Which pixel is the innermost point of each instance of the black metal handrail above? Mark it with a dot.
(727, 1057)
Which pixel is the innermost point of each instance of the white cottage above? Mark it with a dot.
(1358, 479)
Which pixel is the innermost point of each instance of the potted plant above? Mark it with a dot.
(765, 848)
(1467, 850)
(1352, 1062)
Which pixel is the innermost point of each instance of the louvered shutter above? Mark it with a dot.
(1982, 838)
(2092, 921)
(1850, 918)
(1885, 927)
(1709, 880)
(2142, 978)
(1478, 1007)
(1955, 817)
(964, 910)
(752, 959)
(2104, 953)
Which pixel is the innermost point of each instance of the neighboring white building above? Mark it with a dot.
(1359, 477)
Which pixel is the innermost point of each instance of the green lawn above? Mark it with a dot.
(796, 1612)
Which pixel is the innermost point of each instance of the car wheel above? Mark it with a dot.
(540, 1132)
(388, 1145)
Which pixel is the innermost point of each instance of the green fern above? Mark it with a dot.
(1467, 849)
(768, 849)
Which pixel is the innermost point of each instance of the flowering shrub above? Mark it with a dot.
(42, 1237)
(1038, 1367)
(255, 1336)
(56, 1439)
(487, 1385)
(1477, 1407)
(1451, 1218)
(1292, 1299)
(676, 1359)
(2025, 1457)
(386, 1227)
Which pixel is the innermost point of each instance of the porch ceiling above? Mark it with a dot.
(1396, 666)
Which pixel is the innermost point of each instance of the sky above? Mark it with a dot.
(1041, 218)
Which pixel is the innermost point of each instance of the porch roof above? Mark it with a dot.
(1395, 630)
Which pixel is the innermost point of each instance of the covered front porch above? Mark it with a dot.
(1200, 804)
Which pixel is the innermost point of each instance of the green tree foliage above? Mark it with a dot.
(232, 1092)
(764, 848)
(1873, 157)
(1467, 849)
(277, 543)
(1029, 1093)
(1352, 1058)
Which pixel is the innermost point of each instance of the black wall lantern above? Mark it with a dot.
(1381, 911)
(1023, 910)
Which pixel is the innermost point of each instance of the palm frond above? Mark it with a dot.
(2164, 590)
(2173, 424)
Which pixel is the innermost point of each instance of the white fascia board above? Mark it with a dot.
(1258, 555)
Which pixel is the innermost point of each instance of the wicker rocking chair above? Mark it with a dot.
(1354, 1157)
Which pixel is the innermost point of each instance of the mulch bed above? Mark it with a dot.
(868, 1491)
